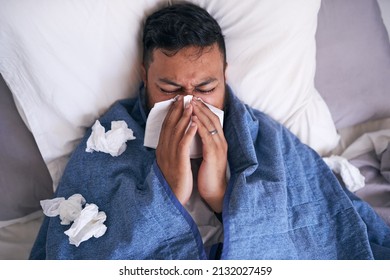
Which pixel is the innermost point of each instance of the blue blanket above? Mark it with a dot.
(282, 201)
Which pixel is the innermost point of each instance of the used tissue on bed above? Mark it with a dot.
(87, 221)
(113, 141)
(88, 224)
(350, 174)
(68, 209)
(157, 116)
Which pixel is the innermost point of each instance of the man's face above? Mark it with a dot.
(189, 71)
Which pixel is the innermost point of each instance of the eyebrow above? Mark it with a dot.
(169, 82)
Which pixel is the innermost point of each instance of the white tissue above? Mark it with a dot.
(51, 207)
(157, 116)
(350, 174)
(113, 141)
(69, 210)
(88, 224)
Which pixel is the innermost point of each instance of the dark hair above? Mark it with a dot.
(178, 26)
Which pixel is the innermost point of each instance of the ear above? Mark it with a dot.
(143, 73)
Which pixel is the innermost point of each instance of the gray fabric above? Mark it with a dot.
(24, 178)
(377, 189)
(353, 61)
(385, 163)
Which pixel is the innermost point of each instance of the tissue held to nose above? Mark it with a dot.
(157, 116)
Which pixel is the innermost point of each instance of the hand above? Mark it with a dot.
(212, 171)
(173, 149)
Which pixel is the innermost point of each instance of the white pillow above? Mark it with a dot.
(66, 62)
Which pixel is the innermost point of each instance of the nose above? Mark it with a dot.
(187, 91)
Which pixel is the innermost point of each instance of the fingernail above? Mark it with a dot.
(176, 98)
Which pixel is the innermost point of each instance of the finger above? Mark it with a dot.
(174, 113)
(185, 143)
(209, 125)
(182, 125)
(208, 118)
(171, 119)
(204, 132)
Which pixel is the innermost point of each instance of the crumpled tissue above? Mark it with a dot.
(87, 222)
(157, 116)
(350, 174)
(113, 141)
(68, 209)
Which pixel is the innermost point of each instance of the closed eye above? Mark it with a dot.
(170, 91)
(205, 91)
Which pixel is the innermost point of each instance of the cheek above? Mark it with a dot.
(154, 96)
(150, 97)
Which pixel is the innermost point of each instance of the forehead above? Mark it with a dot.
(187, 61)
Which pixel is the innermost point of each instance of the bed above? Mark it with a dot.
(322, 68)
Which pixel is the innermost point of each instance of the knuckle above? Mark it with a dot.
(175, 131)
(181, 145)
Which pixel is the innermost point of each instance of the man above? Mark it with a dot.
(256, 192)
